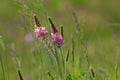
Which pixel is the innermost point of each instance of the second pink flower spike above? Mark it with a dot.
(57, 39)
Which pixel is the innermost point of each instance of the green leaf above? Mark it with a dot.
(71, 77)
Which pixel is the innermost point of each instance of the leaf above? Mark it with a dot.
(71, 77)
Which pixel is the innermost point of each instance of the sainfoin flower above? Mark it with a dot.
(40, 31)
(57, 39)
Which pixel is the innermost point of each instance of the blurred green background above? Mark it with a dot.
(101, 27)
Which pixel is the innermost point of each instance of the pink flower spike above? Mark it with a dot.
(57, 39)
(41, 32)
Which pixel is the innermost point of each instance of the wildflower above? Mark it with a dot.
(57, 39)
(40, 31)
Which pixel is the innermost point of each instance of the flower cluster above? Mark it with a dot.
(56, 37)
(40, 31)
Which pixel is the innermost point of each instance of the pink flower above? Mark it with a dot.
(57, 39)
(40, 31)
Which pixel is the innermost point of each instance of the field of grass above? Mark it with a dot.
(91, 30)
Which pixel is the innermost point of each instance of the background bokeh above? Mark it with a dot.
(101, 27)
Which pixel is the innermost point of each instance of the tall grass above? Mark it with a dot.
(53, 61)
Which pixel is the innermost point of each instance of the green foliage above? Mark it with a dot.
(71, 77)
(94, 29)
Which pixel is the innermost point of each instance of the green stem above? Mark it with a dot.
(116, 70)
(49, 47)
(58, 62)
(7, 65)
(63, 61)
(2, 66)
(42, 65)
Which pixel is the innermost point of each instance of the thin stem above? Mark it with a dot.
(73, 49)
(2, 66)
(63, 61)
(49, 47)
(42, 72)
(86, 55)
(58, 62)
(7, 64)
(116, 69)
(76, 22)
